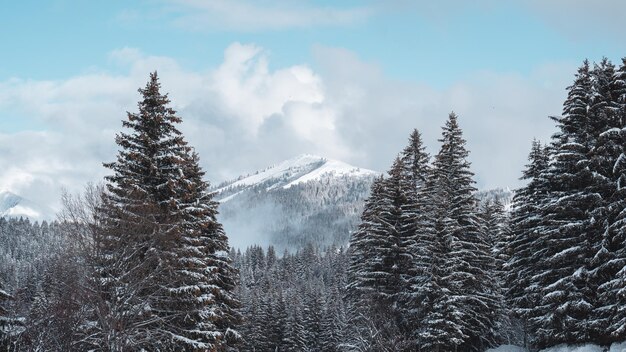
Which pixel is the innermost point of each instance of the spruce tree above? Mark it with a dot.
(470, 294)
(494, 225)
(524, 219)
(364, 242)
(568, 232)
(611, 314)
(6, 323)
(167, 278)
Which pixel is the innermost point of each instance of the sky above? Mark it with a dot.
(257, 82)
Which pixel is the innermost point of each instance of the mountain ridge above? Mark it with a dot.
(14, 205)
(288, 173)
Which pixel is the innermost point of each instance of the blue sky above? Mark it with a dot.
(424, 43)
(325, 76)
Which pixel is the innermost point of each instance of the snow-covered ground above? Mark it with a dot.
(507, 348)
(616, 347)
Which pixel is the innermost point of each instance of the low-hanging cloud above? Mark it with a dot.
(243, 116)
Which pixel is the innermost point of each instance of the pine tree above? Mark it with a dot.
(200, 303)
(295, 335)
(364, 243)
(494, 222)
(567, 232)
(524, 220)
(468, 295)
(7, 323)
(382, 252)
(166, 275)
(417, 233)
(611, 314)
(441, 326)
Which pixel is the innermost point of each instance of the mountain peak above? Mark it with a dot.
(299, 169)
(13, 205)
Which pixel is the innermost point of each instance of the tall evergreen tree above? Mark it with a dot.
(6, 322)
(167, 278)
(416, 220)
(565, 247)
(494, 225)
(471, 294)
(524, 219)
(611, 313)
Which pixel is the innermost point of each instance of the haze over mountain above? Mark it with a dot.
(13, 205)
(304, 199)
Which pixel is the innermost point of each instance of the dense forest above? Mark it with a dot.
(142, 264)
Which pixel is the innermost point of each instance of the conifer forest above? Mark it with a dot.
(418, 261)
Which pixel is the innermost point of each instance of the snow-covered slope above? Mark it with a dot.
(12, 205)
(301, 169)
(300, 200)
(616, 347)
(304, 199)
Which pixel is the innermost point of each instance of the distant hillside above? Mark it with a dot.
(13, 205)
(304, 199)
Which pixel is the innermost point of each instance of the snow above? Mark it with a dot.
(616, 347)
(19, 210)
(334, 167)
(301, 169)
(581, 348)
(12, 205)
(507, 348)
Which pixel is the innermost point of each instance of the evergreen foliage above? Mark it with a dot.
(524, 220)
(167, 279)
(144, 265)
(421, 253)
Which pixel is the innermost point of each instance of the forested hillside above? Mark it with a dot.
(416, 259)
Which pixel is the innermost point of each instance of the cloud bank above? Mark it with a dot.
(242, 116)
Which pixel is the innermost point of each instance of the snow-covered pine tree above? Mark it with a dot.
(312, 318)
(200, 305)
(494, 225)
(166, 277)
(606, 145)
(468, 283)
(334, 322)
(381, 253)
(565, 246)
(294, 340)
(441, 326)
(524, 219)
(363, 243)
(7, 324)
(416, 228)
(611, 313)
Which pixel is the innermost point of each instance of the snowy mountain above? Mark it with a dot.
(301, 169)
(300, 200)
(304, 199)
(12, 205)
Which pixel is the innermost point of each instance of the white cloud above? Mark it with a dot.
(247, 89)
(246, 15)
(242, 116)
